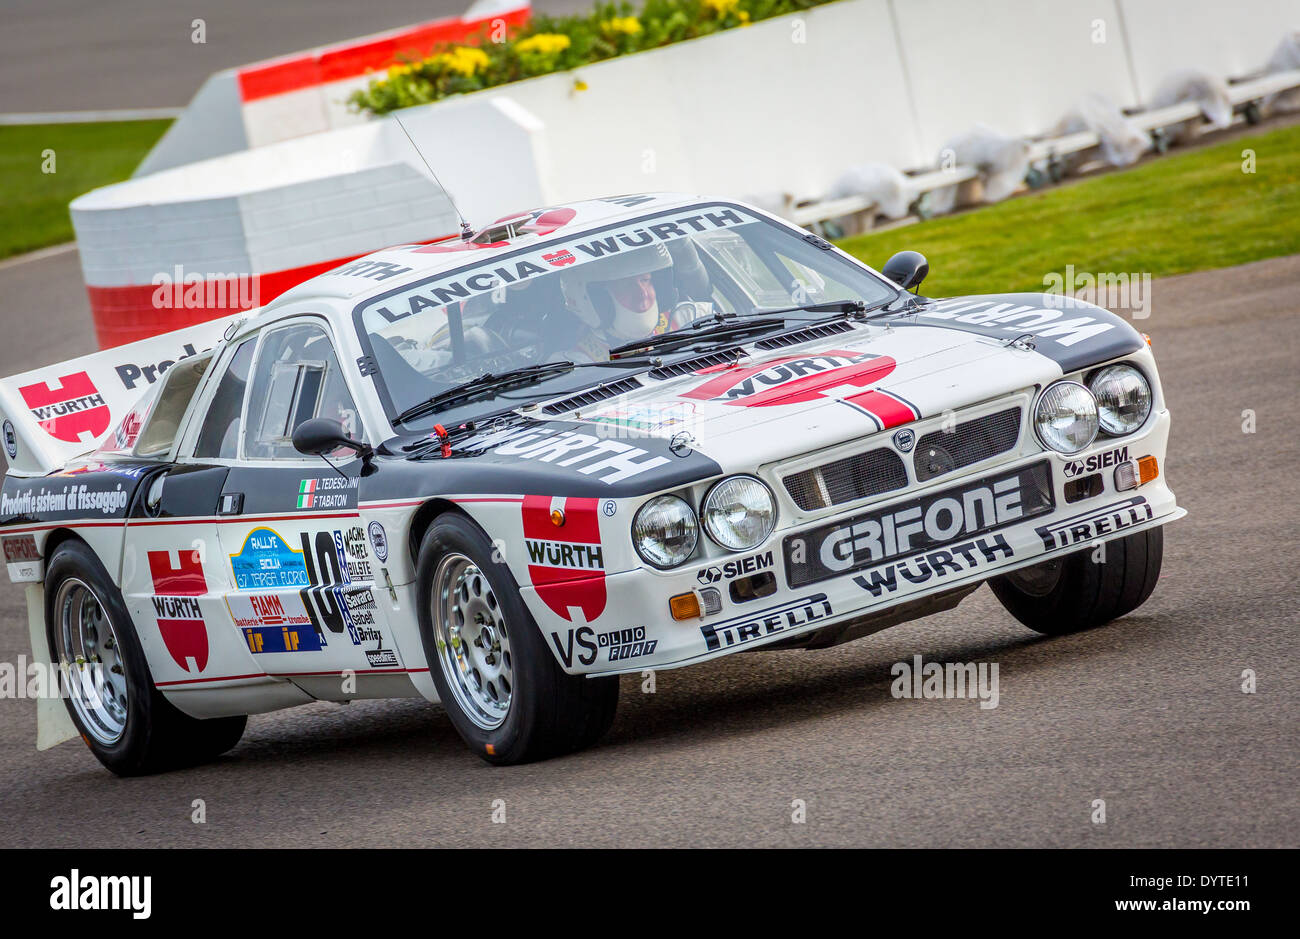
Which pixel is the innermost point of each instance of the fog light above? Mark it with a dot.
(1085, 487)
(684, 606)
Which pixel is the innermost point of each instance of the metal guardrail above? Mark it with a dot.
(1241, 93)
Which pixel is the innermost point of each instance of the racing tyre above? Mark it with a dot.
(504, 692)
(1074, 592)
(127, 723)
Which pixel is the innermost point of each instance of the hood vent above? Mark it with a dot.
(820, 331)
(722, 357)
(583, 398)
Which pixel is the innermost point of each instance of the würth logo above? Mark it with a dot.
(798, 379)
(180, 618)
(565, 562)
(74, 412)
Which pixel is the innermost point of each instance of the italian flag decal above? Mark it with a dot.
(306, 493)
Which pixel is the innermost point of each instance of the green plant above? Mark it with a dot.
(550, 44)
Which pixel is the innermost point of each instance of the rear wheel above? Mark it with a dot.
(504, 692)
(127, 723)
(1079, 591)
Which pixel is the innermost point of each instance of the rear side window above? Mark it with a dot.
(297, 377)
(164, 420)
(220, 435)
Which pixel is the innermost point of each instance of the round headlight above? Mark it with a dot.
(1066, 417)
(665, 531)
(1123, 398)
(739, 513)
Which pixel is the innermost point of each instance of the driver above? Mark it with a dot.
(622, 298)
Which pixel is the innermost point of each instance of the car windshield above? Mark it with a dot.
(574, 299)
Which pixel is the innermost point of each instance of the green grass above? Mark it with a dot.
(34, 204)
(1182, 212)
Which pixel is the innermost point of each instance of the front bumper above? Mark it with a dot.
(635, 632)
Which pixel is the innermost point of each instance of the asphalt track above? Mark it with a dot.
(1146, 713)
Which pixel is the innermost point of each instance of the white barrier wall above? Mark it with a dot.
(1230, 39)
(266, 219)
(783, 103)
(1016, 65)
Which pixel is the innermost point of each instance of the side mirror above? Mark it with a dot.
(320, 435)
(907, 269)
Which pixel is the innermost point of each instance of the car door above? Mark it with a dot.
(172, 581)
(302, 589)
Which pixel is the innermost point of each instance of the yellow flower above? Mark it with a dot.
(721, 8)
(397, 71)
(627, 25)
(463, 59)
(744, 17)
(543, 44)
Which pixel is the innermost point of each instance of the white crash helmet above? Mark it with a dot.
(585, 293)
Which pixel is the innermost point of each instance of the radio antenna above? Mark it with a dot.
(466, 230)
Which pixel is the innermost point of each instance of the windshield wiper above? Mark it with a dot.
(846, 307)
(514, 378)
(484, 383)
(699, 331)
(730, 324)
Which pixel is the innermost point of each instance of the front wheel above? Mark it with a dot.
(1085, 589)
(127, 723)
(504, 692)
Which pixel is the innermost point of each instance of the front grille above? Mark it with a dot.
(846, 480)
(943, 451)
(583, 398)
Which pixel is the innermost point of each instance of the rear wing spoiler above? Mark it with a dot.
(55, 414)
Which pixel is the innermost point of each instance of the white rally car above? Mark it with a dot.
(625, 434)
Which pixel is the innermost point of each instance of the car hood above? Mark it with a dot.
(738, 408)
(866, 378)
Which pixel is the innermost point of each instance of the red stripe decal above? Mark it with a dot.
(885, 407)
(349, 60)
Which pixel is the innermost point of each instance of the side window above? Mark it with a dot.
(219, 437)
(296, 377)
(164, 419)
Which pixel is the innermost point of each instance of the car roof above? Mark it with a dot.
(381, 271)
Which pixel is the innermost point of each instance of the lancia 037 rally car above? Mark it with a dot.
(626, 434)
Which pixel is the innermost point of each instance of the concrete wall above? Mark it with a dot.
(1220, 37)
(276, 215)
